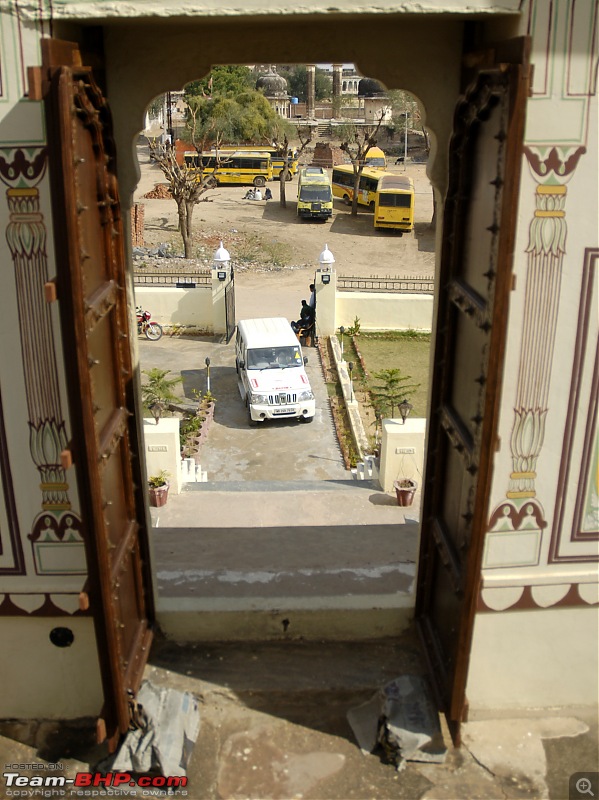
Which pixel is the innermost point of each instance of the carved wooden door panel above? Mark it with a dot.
(90, 288)
(475, 281)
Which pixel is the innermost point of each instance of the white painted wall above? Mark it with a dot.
(171, 306)
(43, 681)
(382, 311)
(163, 451)
(204, 309)
(535, 658)
(405, 437)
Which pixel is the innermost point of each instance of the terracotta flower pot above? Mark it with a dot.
(405, 491)
(159, 495)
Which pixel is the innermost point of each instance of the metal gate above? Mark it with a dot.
(230, 308)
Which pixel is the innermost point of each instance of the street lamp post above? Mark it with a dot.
(405, 142)
(207, 362)
(404, 410)
(350, 367)
(342, 331)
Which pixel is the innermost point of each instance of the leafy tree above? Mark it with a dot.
(158, 391)
(222, 81)
(297, 83)
(248, 117)
(404, 108)
(156, 106)
(392, 389)
(356, 141)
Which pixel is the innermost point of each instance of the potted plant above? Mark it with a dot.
(405, 489)
(158, 486)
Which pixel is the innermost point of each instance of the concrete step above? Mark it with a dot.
(246, 560)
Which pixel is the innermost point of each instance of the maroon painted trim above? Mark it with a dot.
(526, 601)
(47, 609)
(586, 308)
(553, 162)
(517, 515)
(10, 505)
(530, 32)
(592, 76)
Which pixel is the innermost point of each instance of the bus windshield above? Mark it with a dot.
(311, 193)
(274, 357)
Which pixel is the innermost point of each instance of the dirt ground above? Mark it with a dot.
(358, 249)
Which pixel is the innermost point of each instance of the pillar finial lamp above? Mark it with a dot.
(220, 261)
(326, 259)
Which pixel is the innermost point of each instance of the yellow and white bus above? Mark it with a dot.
(343, 185)
(239, 167)
(277, 160)
(389, 196)
(314, 194)
(394, 203)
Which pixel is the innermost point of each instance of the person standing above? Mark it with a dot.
(312, 300)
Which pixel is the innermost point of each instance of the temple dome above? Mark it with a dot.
(368, 87)
(272, 84)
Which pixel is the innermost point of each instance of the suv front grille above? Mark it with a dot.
(282, 399)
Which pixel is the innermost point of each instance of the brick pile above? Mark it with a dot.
(327, 156)
(159, 192)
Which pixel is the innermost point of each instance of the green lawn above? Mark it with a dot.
(405, 350)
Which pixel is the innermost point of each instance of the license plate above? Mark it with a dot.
(283, 411)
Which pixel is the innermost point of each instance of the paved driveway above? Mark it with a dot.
(281, 450)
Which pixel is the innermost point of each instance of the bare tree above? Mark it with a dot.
(187, 183)
(356, 141)
(281, 142)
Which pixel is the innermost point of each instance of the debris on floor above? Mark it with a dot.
(168, 724)
(401, 722)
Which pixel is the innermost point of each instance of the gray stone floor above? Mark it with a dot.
(274, 726)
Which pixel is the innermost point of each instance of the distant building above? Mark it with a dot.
(274, 87)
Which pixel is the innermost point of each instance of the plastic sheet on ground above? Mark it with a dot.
(401, 722)
(169, 724)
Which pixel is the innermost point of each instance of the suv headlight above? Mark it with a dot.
(258, 398)
(306, 396)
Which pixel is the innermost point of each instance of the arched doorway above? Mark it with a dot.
(474, 282)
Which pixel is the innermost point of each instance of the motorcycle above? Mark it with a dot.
(151, 330)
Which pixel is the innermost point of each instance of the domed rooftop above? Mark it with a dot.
(272, 84)
(368, 87)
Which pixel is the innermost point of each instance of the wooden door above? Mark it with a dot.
(90, 289)
(474, 286)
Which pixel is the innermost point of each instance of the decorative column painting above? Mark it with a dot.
(520, 525)
(42, 555)
(56, 524)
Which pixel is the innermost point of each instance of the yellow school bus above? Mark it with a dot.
(394, 203)
(343, 185)
(277, 160)
(239, 167)
(375, 157)
(314, 194)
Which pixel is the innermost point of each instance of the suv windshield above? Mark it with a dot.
(274, 357)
